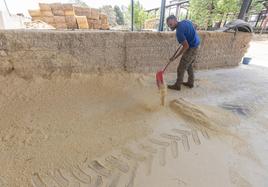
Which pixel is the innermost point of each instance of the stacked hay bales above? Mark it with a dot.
(45, 10)
(82, 22)
(60, 22)
(57, 9)
(68, 9)
(46, 14)
(94, 19)
(104, 22)
(59, 17)
(35, 14)
(82, 14)
(68, 16)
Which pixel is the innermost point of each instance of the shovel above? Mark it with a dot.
(160, 74)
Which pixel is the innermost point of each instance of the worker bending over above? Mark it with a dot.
(189, 39)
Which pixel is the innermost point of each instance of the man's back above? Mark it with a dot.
(186, 31)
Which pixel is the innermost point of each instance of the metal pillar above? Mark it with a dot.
(7, 8)
(244, 8)
(162, 15)
(259, 16)
(132, 15)
(187, 13)
(177, 11)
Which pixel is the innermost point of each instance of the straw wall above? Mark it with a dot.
(147, 52)
(46, 52)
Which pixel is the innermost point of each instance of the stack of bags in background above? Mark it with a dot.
(90, 18)
(81, 16)
(67, 16)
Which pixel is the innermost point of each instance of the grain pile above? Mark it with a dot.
(204, 116)
(48, 123)
(163, 93)
(69, 16)
(38, 24)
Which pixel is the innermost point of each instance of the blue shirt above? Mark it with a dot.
(186, 31)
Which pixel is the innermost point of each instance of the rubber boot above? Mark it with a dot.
(188, 84)
(175, 86)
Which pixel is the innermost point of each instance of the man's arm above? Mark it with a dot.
(185, 46)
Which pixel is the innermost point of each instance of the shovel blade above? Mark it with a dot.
(159, 78)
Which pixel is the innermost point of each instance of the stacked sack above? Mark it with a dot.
(81, 16)
(68, 16)
(93, 17)
(44, 14)
(104, 22)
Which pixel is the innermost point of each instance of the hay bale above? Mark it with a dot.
(58, 13)
(104, 19)
(94, 24)
(90, 23)
(56, 6)
(49, 20)
(82, 11)
(87, 13)
(82, 22)
(78, 11)
(97, 25)
(68, 9)
(35, 13)
(69, 13)
(71, 22)
(44, 7)
(105, 27)
(57, 9)
(68, 6)
(46, 13)
(59, 19)
(95, 14)
(61, 26)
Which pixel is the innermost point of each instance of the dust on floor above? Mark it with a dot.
(110, 130)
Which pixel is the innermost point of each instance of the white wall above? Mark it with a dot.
(11, 21)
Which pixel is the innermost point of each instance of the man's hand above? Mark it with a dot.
(185, 46)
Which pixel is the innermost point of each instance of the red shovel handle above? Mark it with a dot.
(171, 57)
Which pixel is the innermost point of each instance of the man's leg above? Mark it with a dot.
(180, 74)
(190, 70)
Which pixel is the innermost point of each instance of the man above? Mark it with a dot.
(189, 39)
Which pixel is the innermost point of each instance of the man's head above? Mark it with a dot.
(172, 22)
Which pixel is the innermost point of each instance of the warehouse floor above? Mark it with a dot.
(110, 130)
